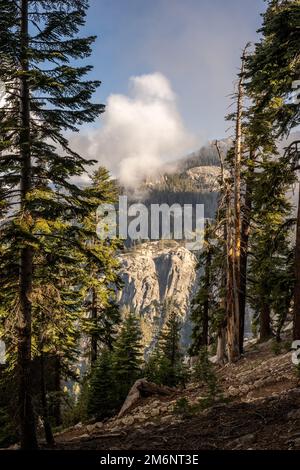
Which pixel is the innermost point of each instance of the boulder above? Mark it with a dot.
(155, 412)
(127, 420)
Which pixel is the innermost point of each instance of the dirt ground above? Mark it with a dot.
(261, 411)
(265, 424)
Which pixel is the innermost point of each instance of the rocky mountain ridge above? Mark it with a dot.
(158, 277)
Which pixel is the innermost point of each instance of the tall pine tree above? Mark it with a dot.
(271, 72)
(127, 357)
(46, 95)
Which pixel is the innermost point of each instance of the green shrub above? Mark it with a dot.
(165, 365)
(102, 395)
(182, 408)
(204, 372)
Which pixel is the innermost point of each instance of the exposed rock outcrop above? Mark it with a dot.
(158, 277)
(205, 177)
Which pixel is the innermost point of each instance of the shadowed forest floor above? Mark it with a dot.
(260, 409)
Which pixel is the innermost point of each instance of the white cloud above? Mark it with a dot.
(140, 132)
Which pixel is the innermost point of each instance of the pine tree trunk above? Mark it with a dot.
(94, 336)
(232, 317)
(221, 339)
(221, 345)
(237, 201)
(234, 232)
(57, 385)
(27, 420)
(204, 341)
(265, 323)
(233, 342)
(45, 413)
(229, 300)
(296, 329)
(244, 252)
(205, 322)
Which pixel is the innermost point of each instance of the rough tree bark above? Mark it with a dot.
(57, 386)
(224, 194)
(296, 329)
(45, 411)
(234, 234)
(204, 339)
(247, 206)
(27, 420)
(265, 322)
(233, 349)
(221, 345)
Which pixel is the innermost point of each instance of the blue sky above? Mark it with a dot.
(196, 44)
(168, 69)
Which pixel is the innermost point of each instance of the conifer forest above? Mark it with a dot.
(149, 229)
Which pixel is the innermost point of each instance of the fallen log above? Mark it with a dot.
(142, 389)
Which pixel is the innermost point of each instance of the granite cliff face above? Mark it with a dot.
(159, 277)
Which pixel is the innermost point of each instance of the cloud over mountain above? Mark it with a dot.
(139, 132)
